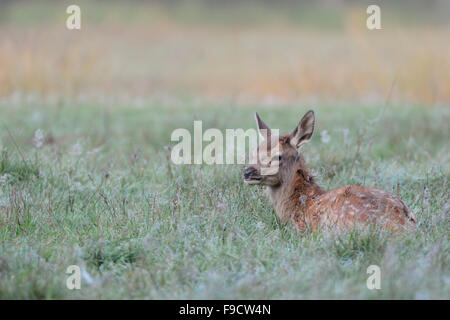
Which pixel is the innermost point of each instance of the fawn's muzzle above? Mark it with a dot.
(249, 172)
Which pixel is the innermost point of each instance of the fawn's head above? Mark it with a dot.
(274, 159)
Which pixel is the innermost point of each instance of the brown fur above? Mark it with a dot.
(298, 199)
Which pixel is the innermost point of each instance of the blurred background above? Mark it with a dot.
(86, 118)
(246, 51)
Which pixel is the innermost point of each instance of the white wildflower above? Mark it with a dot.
(3, 202)
(346, 133)
(77, 186)
(38, 139)
(94, 152)
(86, 276)
(325, 137)
(4, 178)
(77, 150)
(426, 194)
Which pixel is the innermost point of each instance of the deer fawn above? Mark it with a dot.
(279, 165)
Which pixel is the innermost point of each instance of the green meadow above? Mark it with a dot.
(95, 187)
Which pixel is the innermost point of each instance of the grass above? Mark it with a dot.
(100, 194)
(95, 189)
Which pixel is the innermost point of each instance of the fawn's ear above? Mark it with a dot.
(263, 129)
(304, 130)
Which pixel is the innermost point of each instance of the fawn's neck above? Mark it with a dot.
(294, 194)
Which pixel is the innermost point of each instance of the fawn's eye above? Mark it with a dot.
(276, 158)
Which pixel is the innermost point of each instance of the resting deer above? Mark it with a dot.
(279, 165)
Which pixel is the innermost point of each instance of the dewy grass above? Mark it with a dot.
(100, 194)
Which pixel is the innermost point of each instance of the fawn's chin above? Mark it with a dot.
(252, 181)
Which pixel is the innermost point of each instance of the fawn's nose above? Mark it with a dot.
(248, 172)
